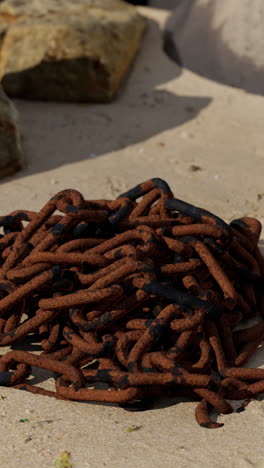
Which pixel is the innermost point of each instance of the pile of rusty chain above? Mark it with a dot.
(145, 294)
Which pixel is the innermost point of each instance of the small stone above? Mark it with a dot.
(28, 439)
(67, 50)
(195, 168)
(11, 159)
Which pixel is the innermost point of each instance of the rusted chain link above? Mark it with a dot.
(145, 294)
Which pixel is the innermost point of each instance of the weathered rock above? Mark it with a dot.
(222, 40)
(67, 50)
(11, 159)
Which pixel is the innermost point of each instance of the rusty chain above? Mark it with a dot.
(145, 294)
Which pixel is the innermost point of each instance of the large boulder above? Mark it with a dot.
(221, 39)
(67, 50)
(11, 159)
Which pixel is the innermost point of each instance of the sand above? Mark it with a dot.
(161, 124)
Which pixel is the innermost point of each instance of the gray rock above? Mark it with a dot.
(67, 50)
(221, 39)
(11, 159)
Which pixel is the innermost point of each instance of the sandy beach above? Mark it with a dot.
(206, 140)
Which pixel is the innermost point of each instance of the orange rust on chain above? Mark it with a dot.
(145, 294)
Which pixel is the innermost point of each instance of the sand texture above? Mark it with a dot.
(207, 141)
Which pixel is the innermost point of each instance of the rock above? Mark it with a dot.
(11, 159)
(67, 50)
(222, 40)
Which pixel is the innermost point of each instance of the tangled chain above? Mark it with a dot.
(143, 294)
